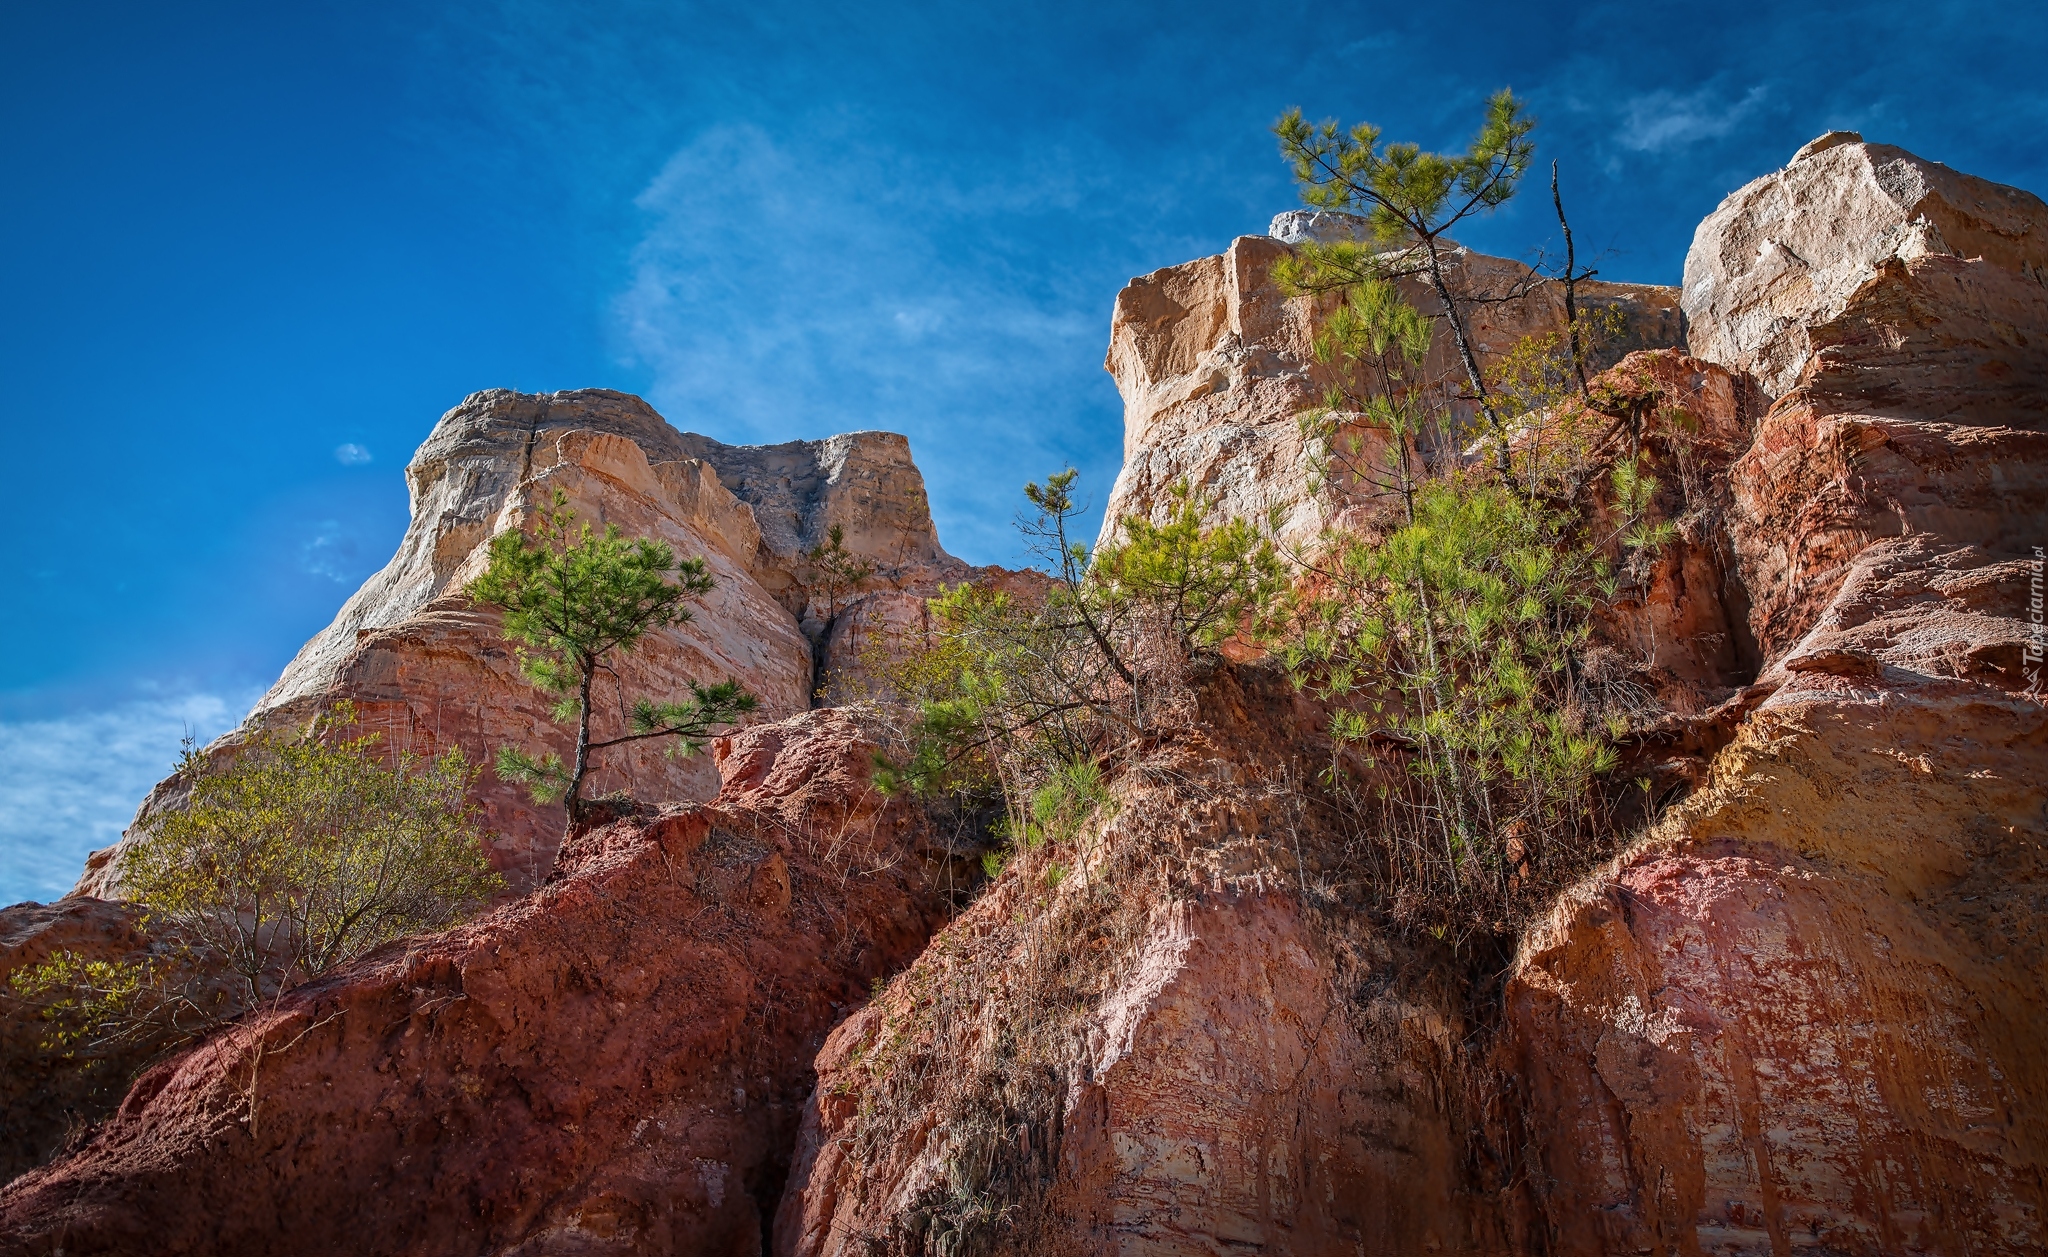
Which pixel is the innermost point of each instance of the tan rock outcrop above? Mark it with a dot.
(1784, 254)
(1214, 363)
(428, 670)
(1805, 1014)
(1801, 1015)
(1800, 1012)
(1921, 412)
(614, 1064)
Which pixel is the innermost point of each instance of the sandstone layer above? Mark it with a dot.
(613, 1064)
(1800, 1009)
(1222, 1063)
(1806, 1014)
(1783, 255)
(426, 669)
(1921, 418)
(1802, 1012)
(1215, 362)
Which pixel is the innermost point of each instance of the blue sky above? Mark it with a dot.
(253, 251)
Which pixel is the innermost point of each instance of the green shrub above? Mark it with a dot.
(1014, 696)
(288, 857)
(1452, 645)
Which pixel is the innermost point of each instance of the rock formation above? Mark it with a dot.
(427, 669)
(1214, 362)
(1782, 257)
(1806, 1015)
(1802, 1014)
(615, 1063)
(1243, 1066)
(1800, 1009)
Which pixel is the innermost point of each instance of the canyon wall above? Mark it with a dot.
(1806, 1014)
(1801, 1009)
(427, 669)
(1187, 1043)
(1802, 1012)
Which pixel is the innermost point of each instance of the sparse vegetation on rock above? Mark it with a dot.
(288, 857)
(1501, 791)
(574, 598)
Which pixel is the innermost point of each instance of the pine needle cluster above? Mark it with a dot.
(573, 597)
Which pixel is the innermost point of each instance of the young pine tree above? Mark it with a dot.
(841, 572)
(573, 598)
(1412, 198)
(838, 569)
(1376, 344)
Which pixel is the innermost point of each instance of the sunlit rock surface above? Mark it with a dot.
(1215, 362)
(426, 669)
(1784, 255)
(1800, 1012)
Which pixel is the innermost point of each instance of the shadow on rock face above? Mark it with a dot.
(615, 1063)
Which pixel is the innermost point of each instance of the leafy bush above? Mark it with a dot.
(1012, 694)
(288, 858)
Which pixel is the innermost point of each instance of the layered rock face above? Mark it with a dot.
(1920, 421)
(428, 670)
(1222, 1064)
(1807, 1014)
(614, 1064)
(1782, 258)
(1801, 1014)
(1801, 1011)
(1214, 362)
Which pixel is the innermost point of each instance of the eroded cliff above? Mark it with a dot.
(1795, 1005)
(1801, 1012)
(614, 1063)
(427, 669)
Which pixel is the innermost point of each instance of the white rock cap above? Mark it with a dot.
(1321, 226)
(1832, 139)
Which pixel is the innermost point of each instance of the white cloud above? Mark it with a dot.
(351, 455)
(801, 288)
(72, 784)
(1664, 120)
(331, 552)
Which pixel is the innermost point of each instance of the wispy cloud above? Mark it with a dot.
(351, 455)
(332, 552)
(72, 784)
(783, 291)
(1664, 120)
